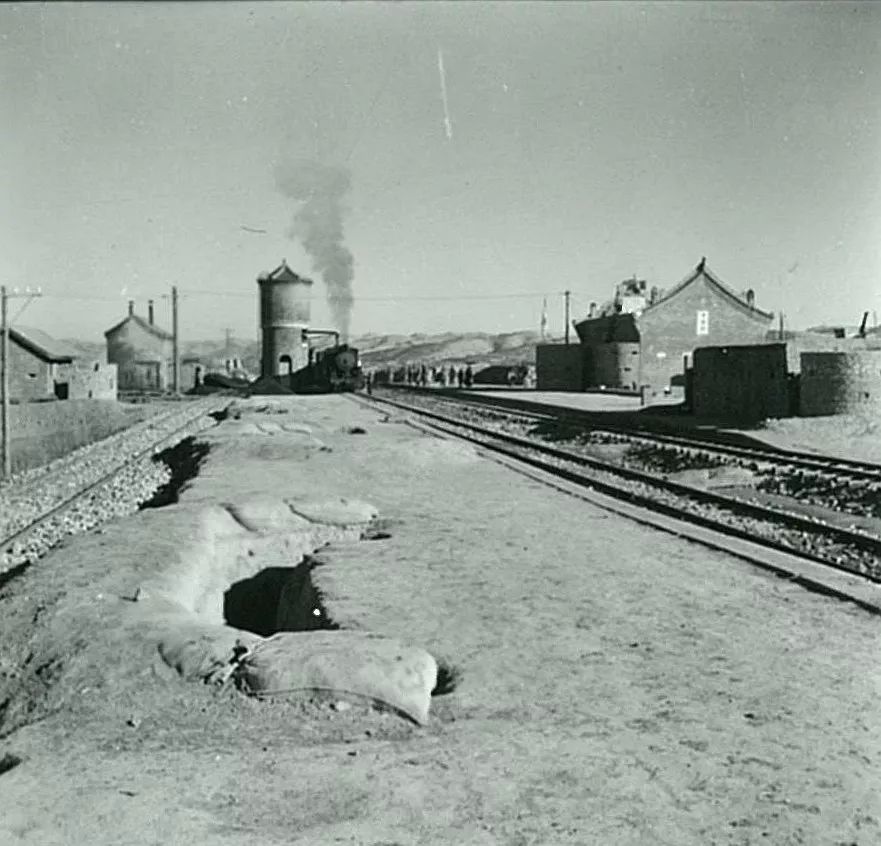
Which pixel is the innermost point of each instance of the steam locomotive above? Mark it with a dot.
(330, 370)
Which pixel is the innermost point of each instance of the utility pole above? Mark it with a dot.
(5, 296)
(227, 350)
(566, 295)
(175, 350)
(5, 379)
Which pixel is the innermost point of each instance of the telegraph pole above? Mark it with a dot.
(5, 297)
(566, 295)
(175, 350)
(4, 328)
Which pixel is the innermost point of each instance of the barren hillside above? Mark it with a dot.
(476, 348)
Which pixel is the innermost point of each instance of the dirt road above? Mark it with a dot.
(619, 685)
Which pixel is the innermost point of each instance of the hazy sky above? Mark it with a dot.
(589, 141)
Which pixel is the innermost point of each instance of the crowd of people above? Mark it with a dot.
(423, 375)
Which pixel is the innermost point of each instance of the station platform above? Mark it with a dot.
(616, 685)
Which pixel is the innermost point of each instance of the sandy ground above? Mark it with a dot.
(620, 685)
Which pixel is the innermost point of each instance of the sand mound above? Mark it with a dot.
(347, 663)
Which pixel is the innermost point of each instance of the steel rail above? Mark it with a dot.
(30, 485)
(832, 465)
(516, 446)
(7, 543)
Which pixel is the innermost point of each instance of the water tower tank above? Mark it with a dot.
(284, 314)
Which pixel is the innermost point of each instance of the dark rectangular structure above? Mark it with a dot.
(558, 367)
(741, 383)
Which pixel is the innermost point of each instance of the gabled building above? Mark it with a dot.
(142, 352)
(38, 365)
(649, 348)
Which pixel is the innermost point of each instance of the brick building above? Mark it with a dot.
(142, 352)
(647, 347)
(38, 366)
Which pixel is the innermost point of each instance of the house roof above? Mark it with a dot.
(144, 324)
(283, 273)
(715, 282)
(42, 345)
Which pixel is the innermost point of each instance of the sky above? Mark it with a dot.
(570, 146)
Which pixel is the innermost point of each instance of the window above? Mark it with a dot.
(703, 323)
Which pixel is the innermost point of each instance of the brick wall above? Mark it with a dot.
(669, 331)
(558, 367)
(30, 377)
(613, 366)
(840, 383)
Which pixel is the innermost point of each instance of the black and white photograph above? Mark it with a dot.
(448, 423)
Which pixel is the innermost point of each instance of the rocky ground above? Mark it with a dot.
(618, 685)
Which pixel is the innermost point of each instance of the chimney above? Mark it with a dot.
(653, 295)
(592, 311)
(751, 298)
(131, 307)
(150, 311)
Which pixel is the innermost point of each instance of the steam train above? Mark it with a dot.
(330, 370)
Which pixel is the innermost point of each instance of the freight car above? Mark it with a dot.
(330, 370)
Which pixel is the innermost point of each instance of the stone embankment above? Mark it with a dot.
(121, 473)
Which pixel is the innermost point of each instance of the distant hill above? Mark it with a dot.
(446, 348)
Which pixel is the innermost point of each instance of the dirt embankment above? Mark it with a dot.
(43, 431)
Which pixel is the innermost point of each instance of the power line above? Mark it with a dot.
(395, 298)
(188, 292)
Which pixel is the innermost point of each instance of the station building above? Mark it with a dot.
(142, 352)
(643, 340)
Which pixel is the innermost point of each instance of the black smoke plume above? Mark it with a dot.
(318, 225)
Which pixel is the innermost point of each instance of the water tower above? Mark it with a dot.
(284, 315)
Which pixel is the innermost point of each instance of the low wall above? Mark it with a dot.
(43, 431)
(840, 383)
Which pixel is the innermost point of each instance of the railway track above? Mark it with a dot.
(853, 556)
(841, 485)
(699, 443)
(97, 482)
